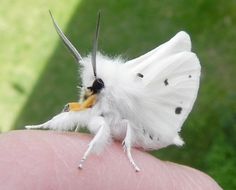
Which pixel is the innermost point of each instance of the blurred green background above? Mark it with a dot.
(38, 75)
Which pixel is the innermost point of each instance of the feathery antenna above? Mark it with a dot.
(65, 40)
(95, 44)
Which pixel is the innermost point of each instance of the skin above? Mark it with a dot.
(49, 160)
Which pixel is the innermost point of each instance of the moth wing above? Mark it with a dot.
(170, 79)
(180, 42)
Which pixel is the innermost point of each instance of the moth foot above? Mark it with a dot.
(137, 169)
(32, 127)
(80, 167)
(81, 163)
(127, 150)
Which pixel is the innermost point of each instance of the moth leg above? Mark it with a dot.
(102, 137)
(127, 144)
(63, 121)
(40, 126)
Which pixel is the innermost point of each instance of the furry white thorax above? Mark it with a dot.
(113, 97)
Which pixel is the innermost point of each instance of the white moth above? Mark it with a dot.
(142, 102)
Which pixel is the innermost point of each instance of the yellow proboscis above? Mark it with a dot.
(88, 103)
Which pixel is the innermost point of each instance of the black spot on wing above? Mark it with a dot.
(151, 137)
(140, 75)
(178, 110)
(189, 76)
(166, 82)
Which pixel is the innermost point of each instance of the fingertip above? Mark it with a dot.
(50, 159)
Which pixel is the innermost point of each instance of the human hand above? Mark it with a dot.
(49, 160)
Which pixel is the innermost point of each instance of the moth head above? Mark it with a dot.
(97, 86)
(98, 83)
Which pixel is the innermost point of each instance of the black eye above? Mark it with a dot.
(98, 84)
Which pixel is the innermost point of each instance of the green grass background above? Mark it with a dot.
(38, 76)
